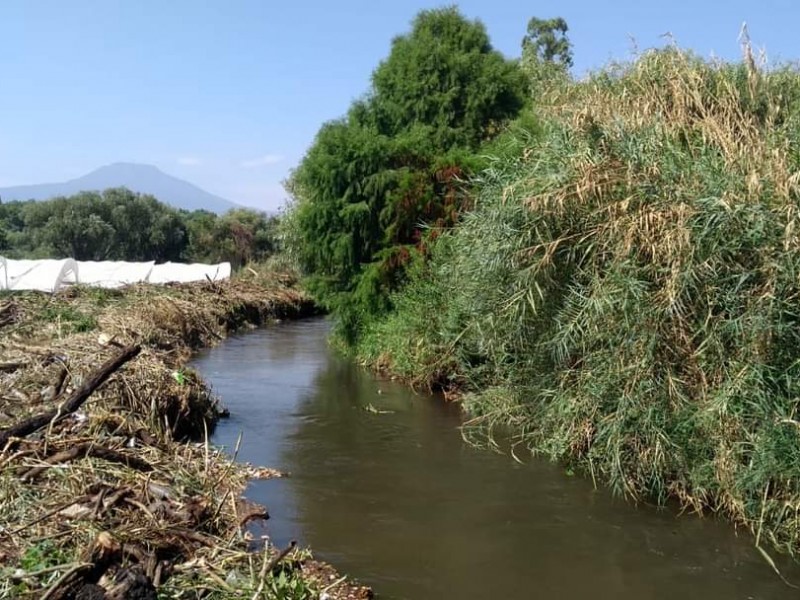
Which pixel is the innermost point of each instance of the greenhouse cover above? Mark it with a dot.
(50, 275)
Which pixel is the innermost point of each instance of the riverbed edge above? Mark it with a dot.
(154, 413)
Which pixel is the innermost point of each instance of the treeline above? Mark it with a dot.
(618, 275)
(118, 224)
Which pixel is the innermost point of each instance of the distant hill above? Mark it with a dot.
(145, 179)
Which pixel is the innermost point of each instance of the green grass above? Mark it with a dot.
(69, 319)
(626, 294)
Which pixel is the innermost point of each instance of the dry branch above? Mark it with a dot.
(74, 402)
(84, 450)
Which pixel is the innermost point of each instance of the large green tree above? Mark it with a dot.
(374, 180)
(445, 78)
(546, 54)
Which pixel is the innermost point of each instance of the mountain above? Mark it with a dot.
(145, 179)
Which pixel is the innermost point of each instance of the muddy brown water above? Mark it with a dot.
(398, 501)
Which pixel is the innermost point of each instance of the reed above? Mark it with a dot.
(625, 294)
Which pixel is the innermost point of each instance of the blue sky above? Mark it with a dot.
(229, 94)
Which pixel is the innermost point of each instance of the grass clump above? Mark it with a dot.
(69, 320)
(626, 293)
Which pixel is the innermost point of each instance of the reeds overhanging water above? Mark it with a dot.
(625, 294)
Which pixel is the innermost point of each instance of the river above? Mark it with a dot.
(383, 487)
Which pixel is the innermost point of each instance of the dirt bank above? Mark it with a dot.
(108, 488)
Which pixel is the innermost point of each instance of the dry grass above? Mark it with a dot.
(126, 492)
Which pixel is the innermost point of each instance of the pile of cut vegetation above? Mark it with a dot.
(108, 486)
(626, 293)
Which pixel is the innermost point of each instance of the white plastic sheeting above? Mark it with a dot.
(180, 273)
(43, 275)
(51, 275)
(113, 274)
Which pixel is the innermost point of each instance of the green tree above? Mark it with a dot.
(239, 236)
(145, 229)
(200, 231)
(547, 41)
(12, 221)
(245, 235)
(445, 78)
(4, 227)
(116, 224)
(375, 180)
(78, 227)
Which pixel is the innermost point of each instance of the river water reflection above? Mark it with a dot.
(398, 501)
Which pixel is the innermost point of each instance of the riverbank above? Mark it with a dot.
(624, 295)
(108, 486)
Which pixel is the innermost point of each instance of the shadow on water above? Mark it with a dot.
(393, 496)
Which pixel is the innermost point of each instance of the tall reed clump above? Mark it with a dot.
(626, 294)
